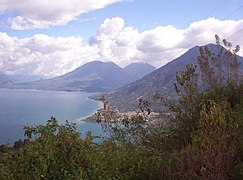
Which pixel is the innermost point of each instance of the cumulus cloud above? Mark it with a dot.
(159, 45)
(47, 56)
(43, 55)
(32, 14)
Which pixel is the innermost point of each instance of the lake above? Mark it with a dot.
(20, 108)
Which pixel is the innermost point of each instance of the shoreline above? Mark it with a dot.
(88, 117)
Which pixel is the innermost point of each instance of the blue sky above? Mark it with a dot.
(142, 14)
(49, 38)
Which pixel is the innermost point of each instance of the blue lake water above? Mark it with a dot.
(34, 107)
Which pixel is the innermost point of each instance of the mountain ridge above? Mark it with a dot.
(95, 76)
(159, 81)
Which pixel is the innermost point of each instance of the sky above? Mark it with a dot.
(49, 38)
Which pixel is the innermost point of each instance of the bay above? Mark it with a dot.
(20, 108)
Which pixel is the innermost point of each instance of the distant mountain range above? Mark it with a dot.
(159, 81)
(18, 78)
(94, 76)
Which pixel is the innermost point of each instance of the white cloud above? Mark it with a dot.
(109, 30)
(44, 13)
(43, 55)
(161, 44)
(204, 31)
(160, 38)
(47, 56)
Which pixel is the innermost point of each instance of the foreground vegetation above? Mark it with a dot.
(202, 139)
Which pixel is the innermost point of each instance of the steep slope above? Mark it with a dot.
(160, 81)
(94, 76)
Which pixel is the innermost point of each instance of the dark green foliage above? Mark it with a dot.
(57, 152)
(207, 121)
(202, 138)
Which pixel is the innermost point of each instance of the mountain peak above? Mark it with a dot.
(159, 81)
(98, 63)
(95, 76)
(139, 63)
(139, 69)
